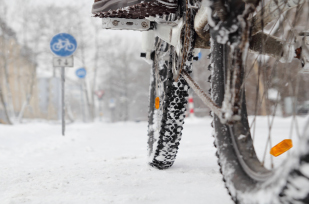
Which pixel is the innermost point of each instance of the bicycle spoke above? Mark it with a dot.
(246, 77)
(256, 98)
(271, 30)
(287, 76)
(259, 18)
(269, 128)
(294, 121)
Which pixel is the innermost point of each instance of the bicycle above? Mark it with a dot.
(230, 29)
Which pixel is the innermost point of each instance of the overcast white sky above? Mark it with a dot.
(56, 2)
(85, 5)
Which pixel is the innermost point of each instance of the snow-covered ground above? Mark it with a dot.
(105, 163)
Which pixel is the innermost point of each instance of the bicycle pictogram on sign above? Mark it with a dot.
(63, 44)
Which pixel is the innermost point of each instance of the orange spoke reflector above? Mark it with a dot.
(281, 147)
(157, 103)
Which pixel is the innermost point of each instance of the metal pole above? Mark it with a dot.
(62, 100)
(113, 115)
(82, 100)
(100, 109)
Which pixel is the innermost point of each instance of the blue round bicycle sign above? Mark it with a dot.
(81, 73)
(63, 44)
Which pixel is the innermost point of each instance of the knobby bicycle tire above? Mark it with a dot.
(165, 123)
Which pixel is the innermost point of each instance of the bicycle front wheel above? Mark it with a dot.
(272, 96)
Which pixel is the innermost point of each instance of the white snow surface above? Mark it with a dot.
(105, 163)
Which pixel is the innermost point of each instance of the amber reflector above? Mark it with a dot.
(281, 147)
(157, 103)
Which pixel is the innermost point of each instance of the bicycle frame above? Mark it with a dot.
(170, 32)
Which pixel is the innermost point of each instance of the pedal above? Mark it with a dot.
(127, 24)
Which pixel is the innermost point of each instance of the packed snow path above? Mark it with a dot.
(105, 163)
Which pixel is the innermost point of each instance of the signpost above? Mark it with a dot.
(112, 105)
(63, 45)
(199, 55)
(100, 94)
(81, 73)
(63, 62)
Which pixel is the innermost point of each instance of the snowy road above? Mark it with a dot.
(105, 163)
